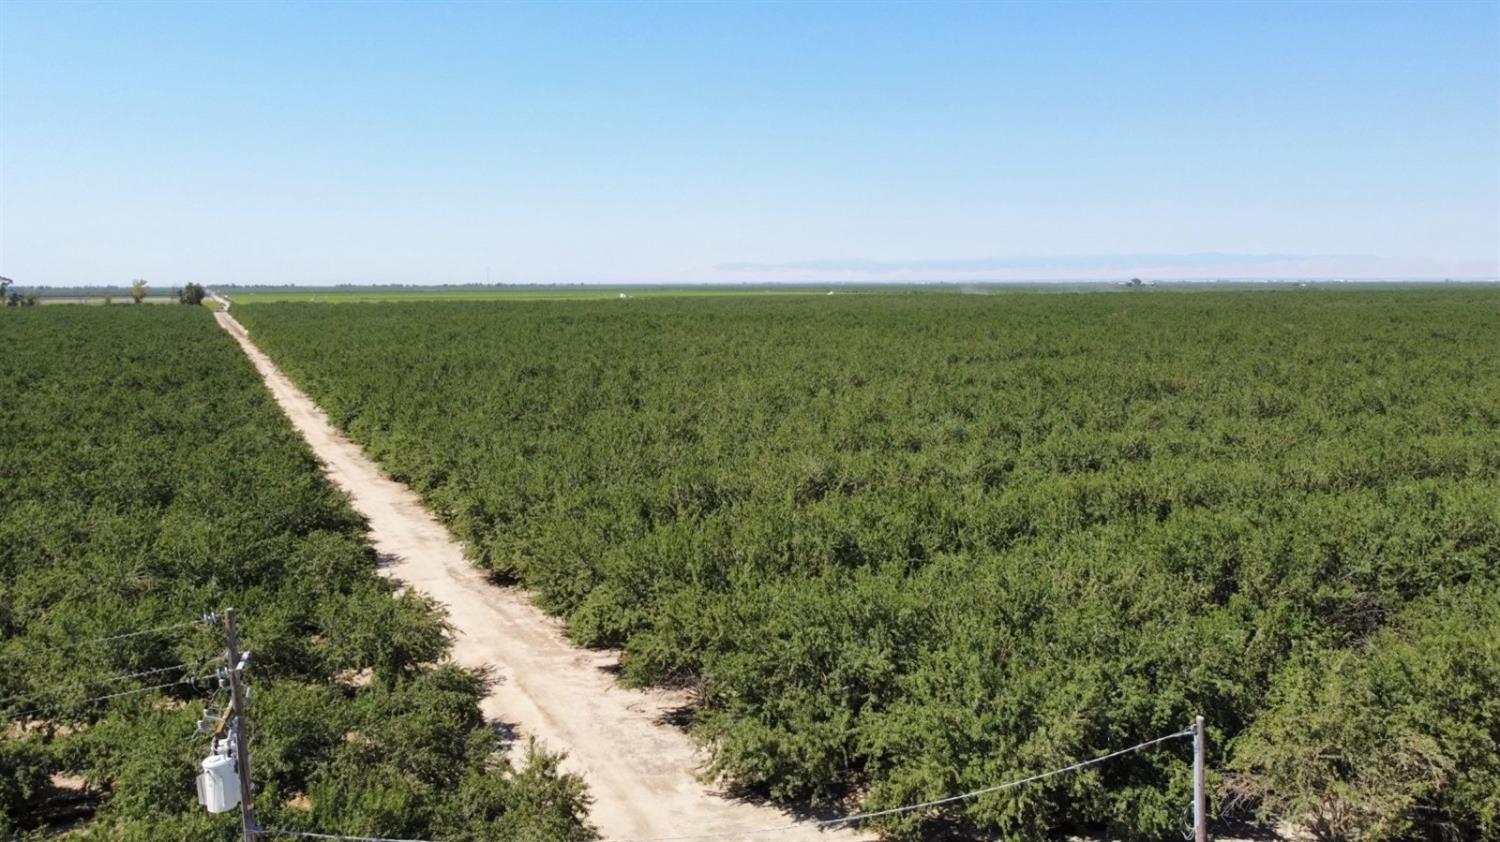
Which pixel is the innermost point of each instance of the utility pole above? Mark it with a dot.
(1200, 798)
(237, 728)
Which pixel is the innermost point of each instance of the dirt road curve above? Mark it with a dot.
(640, 773)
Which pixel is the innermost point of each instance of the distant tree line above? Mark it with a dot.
(15, 298)
(191, 293)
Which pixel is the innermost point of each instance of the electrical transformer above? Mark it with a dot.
(219, 784)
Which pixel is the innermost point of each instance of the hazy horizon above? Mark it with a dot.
(831, 283)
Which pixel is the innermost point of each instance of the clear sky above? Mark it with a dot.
(454, 143)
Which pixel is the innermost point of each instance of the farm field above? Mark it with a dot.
(902, 547)
(148, 479)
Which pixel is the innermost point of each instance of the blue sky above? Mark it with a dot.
(432, 143)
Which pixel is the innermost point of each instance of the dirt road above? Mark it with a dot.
(640, 773)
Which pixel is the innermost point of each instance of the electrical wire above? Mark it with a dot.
(308, 834)
(188, 680)
(857, 817)
(819, 825)
(110, 638)
(201, 662)
(115, 679)
(191, 679)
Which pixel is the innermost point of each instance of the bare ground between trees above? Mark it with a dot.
(641, 772)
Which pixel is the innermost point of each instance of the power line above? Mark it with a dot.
(190, 664)
(115, 679)
(817, 825)
(204, 620)
(308, 834)
(857, 817)
(191, 679)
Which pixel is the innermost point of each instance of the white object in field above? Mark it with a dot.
(219, 784)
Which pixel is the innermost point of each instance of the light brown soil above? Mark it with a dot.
(640, 774)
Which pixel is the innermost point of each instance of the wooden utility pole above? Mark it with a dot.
(1200, 798)
(241, 749)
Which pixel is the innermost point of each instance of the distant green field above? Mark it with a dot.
(376, 294)
(270, 294)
